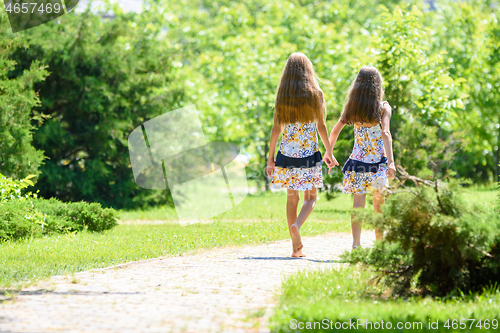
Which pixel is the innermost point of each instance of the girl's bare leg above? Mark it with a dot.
(358, 202)
(378, 201)
(292, 203)
(306, 210)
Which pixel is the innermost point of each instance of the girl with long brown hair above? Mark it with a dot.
(299, 111)
(371, 162)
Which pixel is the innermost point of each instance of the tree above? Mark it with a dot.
(108, 76)
(18, 158)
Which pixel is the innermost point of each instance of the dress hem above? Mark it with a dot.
(288, 188)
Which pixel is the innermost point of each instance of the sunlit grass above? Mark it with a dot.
(346, 295)
(271, 206)
(261, 218)
(262, 207)
(29, 260)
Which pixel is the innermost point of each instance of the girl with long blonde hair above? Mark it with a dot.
(299, 113)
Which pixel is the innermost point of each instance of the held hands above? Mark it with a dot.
(391, 170)
(270, 167)
(330, 161)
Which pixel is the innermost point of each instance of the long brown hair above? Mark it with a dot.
(364, 98)
(299, 98)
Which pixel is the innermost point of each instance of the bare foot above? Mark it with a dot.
(298, 254)
(296, 241)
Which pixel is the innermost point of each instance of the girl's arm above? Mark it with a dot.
(387, 138)
(334, 134)
(329, 158)
(275, 132)
(323, 133)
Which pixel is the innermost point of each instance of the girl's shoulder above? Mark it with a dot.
(386, 108)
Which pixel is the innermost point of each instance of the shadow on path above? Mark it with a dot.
(333, 261)
(70, 292)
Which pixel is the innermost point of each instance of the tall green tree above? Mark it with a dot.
(107, 76)
(467, 32)
(18, 157)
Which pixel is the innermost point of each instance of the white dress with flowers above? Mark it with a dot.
(366, 169)
(298, 162)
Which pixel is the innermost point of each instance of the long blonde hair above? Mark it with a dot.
(299, 98)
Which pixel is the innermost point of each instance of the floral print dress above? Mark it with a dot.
(366, 169)
(298, 162)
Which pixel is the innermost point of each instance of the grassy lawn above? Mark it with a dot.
(271, 207)
(28, 260)
(261, 219)
(262, 207)
(332, 297)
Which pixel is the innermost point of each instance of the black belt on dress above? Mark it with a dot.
(286, 162)
(358, 166)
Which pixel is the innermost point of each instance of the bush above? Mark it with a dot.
(36, 217)
(19, 220)
(10, 189)
(24, 215)
(435, 243)
(83, 215)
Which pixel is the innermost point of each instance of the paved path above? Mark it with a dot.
(222, 290)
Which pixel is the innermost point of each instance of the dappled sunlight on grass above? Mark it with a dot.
(347, 294)
(32, 259)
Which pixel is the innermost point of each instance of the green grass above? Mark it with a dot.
(346, 295)
(481, 196)
(271, 207)
(262, 207)
(28, 260)
(261, 219)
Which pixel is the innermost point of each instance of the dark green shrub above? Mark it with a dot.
(19, 220)
(83, 215)
(435, 243)
(36, 217)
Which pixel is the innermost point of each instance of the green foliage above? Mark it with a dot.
(441, 71)
(11, 189)
(435, 242)
(240, 49)
(84, 215)
(471, 44)
(23, 215)
(20, 219)
(107, 76)
(18, 158)
(31, 218)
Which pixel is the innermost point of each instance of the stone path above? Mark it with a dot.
(222, 290)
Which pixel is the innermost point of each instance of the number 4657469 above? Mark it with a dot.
(26, 8)
(471, 323)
